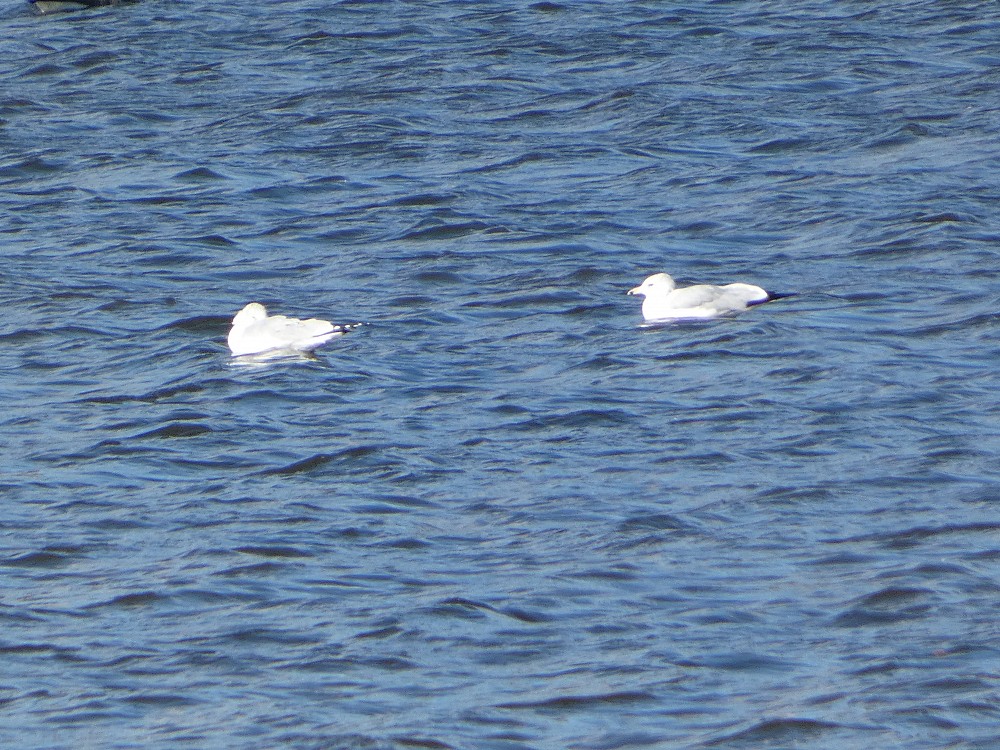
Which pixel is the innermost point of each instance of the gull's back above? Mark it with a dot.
(702, 301)
(254, 332)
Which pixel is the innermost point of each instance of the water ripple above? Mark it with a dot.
(503, 513)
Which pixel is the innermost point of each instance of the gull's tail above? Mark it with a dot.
(337, 329)
(772, 296)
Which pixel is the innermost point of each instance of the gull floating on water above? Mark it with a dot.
(256, 332)
(664, 301)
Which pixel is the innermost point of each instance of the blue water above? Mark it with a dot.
(502, 513)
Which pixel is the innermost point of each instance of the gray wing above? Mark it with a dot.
(695, 296)
(280, 331)
(747, 293)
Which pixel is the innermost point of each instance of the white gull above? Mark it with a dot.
(664, 301)
(256, 332)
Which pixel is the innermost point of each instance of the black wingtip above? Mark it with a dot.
(771, 296)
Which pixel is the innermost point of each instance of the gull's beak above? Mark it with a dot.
(637, 290)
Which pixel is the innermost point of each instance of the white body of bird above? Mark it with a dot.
(664, 301)
(256, 332)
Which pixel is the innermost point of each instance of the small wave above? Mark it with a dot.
(420, 742)
(655, 522)
(786, 731)
(159, 394)
(212, 324)
(913, 536)
(42, 559)
(579, 418)
(320, 460)
(445, 231)
(176, 430)
(424, 199)
(199, 174)
(782, 146)
(583, 702)
(888, 606)
(162, 700)
(278, 551)
(133, 600)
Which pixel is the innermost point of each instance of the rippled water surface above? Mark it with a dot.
(501, 514)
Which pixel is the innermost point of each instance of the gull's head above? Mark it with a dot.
(658, 283)
(252, 313)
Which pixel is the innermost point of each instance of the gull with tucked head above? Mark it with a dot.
(256, 332)
(665, 301)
